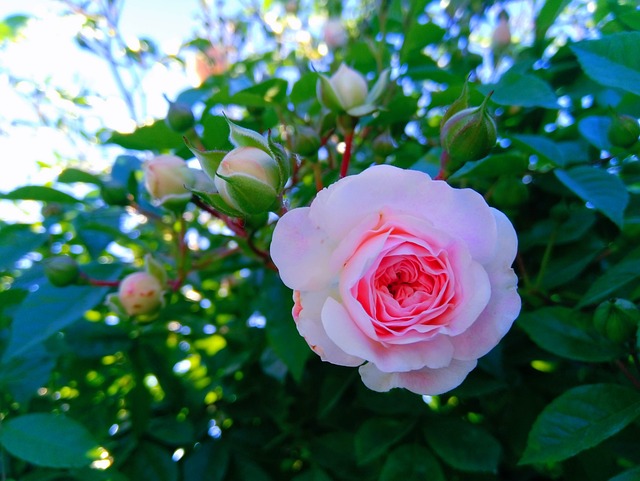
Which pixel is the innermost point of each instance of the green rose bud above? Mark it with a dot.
(248, 179)
(140, 293)
(347, 89)
(468, 135)
(306, 141)
(623, 131)
(179, 117)
(167, 179)
(617, 319)
(61, 270)
(458, 105)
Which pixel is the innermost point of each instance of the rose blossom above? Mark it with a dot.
(404, 276)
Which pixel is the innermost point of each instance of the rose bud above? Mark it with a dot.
(616, 319)
(248, 180)
(61, 271)
(334, 34)
(346, 89)
(501, 37)
(306, 141)
(459, 104)
(468, 135)
(140, 293)
(179, 117)
(166, 178)
(623, 131)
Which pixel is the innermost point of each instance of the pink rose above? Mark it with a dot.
(404, 276)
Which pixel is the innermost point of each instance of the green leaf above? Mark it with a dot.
(216, 133)
(69, 176)
(411, 462)
(604, 191)
(16, 241)
(580, 419)
(418, 37)
(493, 166)
(155, 137)
(567, 333)
(613, 279)
(313, 474)
(543, 147)
(526, 90)
(377, 435)
(304, 89)
(262, 95)
(594, 129)
(462, 445)
(47, 311)
(243, 137)
(208, 462)
(150, 461)
(612, 60)
(24, 375)
(548, 14)
(48, 440)
(630, 475)
(39, 193)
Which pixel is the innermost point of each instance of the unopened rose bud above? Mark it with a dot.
(140, 293)
(346, 89)
(384, 144)
(167, 178)
(306, 141)
(501, 37)
(61, 271)
(248, 180)
(334, 34)
(623, 131)
(617, 319)
(180, 117)
(468, 135)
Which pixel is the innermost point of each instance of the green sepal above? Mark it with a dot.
(327, 95)
(216, 201)
(378, 89)
(156, 269)
(458, 105)
(362, 110)
(283, 159)
(243, 137)
(209, 159)
(112, 301)
(253, 197)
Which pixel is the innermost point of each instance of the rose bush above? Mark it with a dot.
(404, 276)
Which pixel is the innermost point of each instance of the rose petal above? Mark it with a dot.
(341, 329)
(422, 381)
(461, 213)
(300, 250)
(310, 327)
(504, 304)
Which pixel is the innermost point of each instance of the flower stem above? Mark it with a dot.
(546, 257)
(627, 374)
(346, 157)
(317, 174)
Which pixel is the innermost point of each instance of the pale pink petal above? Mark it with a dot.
(461, 213)
(504, 305)
(422, 381)
(309, 324)
(341, 329)
(301, 251)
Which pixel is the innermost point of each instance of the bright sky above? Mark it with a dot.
(49, 51)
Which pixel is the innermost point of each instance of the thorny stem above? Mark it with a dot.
(346, 157)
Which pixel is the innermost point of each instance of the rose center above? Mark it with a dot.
(408, 281)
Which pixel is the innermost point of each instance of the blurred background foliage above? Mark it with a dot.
(219, 385)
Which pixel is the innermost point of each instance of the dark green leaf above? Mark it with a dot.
(156, 137)
(39, 193)
(612, 60)
(630, 475)
(526, 90)
(69, 176)
(613, 279)
(24, 375)
(150, 461)
(208, 462)
(567, 333)
(548, 14)
(580, 419)
(543, 147)
(377, 435)
(594, 128)
(47, 311)
(48, 440)
(493, 166)
(313, 474)
(411, 462)
(464, 446)
(604, 191)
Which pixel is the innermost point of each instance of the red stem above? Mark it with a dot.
(627, 374)
(346, 157)
(101, 283)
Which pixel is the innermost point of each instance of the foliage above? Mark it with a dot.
(218, 385)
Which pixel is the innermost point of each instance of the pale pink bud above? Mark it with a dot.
(502, 34)
(334, 34)
(140, 293)
(350, 87)
(167, 177)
